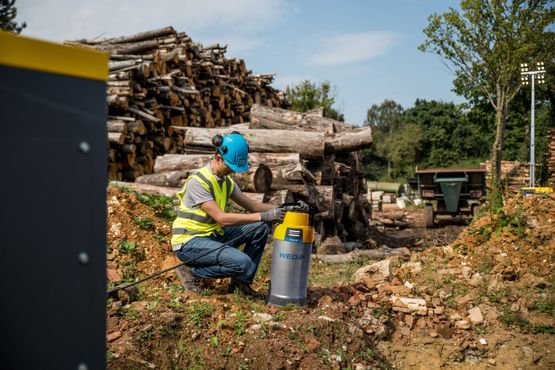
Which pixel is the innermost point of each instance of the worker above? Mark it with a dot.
(206, 237)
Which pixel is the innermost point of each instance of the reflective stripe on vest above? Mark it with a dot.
(195, 222)
(193, 216)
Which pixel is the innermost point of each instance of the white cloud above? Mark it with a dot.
(354, 47)
(60, 20)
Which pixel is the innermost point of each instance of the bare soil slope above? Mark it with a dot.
(486, 300)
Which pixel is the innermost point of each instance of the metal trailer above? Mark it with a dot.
(53, 239)
(451, 191)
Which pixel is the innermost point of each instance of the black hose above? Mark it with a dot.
(129, 285)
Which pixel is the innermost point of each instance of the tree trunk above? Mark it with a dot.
(497, 150)
(257, 179)
(181, 162)
(359, 255)
(280, 196)
(168, 178)
(262, 117)
(349, 141)
(308, 144)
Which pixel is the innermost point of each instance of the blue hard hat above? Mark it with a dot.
(235, 152)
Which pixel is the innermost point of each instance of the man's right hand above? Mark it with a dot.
(273, 215)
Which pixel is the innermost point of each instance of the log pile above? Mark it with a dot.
(301, 157)
(514, 174)
(551, 159)
(160, 80)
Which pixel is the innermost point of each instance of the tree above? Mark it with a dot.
(8, 12)
(306, 96)
(449, 137)
(384, 120)
(385, 117)
(484, 44)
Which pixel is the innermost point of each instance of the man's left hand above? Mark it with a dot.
(299, 207)
(302, 206)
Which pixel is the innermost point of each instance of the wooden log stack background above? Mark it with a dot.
(551, 159)
(160, 80)
(293, 156)
(515, 174)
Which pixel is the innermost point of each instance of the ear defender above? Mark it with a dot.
(217, 142)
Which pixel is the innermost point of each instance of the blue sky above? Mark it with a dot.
(366, 49)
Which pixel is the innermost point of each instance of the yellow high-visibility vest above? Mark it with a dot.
(191, 223)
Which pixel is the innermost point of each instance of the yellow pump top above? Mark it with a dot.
(295, 228)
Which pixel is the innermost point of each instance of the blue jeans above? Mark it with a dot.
(227, 261)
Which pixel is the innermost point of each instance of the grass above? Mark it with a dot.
(324, 274)
(144, 223)
(546, 306)
(129, 271)
(163, 206)
(485, 265)
(199, 311)
(510, 318)
(239, 325)
(127, 247)
(497, 295)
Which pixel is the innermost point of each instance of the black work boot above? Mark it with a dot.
(188, 281)
(239, 286)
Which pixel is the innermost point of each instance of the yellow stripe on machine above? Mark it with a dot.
(536, 190)
(43, 56)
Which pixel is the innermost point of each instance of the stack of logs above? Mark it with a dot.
(551, 159)
(292, 156)
(160, 80)
(515, 174)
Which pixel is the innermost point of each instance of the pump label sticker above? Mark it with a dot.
(291, 256)
(294, 235)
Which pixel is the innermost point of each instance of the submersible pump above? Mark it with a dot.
(291, 253)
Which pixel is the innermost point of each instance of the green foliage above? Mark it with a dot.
(144, 223)
(307, 96)
(510, 318)
(198, 311)
(483, 44)
(546, 306)
(429, 134)
(127, 247)
(162, 205)
(8, 13)
(239, 325)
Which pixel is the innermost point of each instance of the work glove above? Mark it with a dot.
(273, 215)
(299, 207)
(302, 206)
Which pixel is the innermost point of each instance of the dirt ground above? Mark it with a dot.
(468, 296)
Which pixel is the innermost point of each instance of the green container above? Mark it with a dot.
(451, 189)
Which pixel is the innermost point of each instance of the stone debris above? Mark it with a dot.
(410, 320)
(409, 305)
(475, 315)
(372, 325)
(413, 267)
(113, 336)
(261, 317)
(465, 299)
(462, 324)
(445, 331)
(379, 272)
